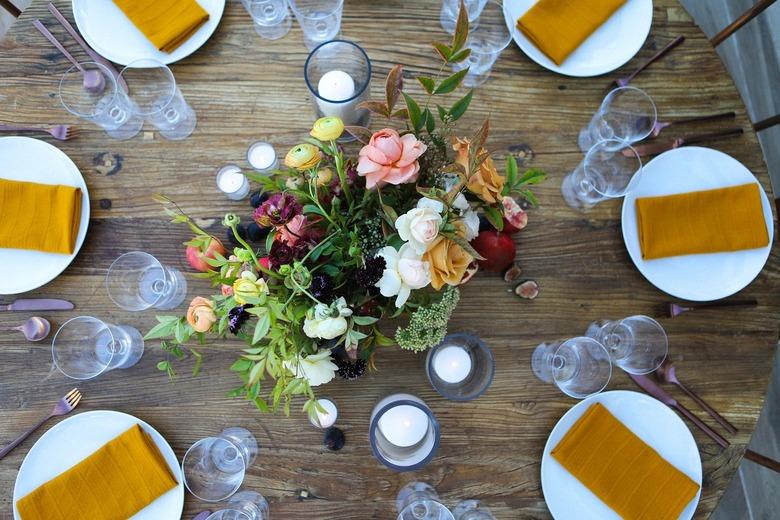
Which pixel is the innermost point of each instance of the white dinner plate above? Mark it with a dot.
(701, 277)
(27, 159)
(650, 420)
(77, 437)
(609, 47)
(112, 35)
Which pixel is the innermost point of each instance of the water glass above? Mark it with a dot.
(604, 173)
(420, 501)
(85, 347)
(627, 114)
(579, 367)
(637, 344)
(272, 17)
(214, 467)
(319, 19)
(450, 9)
(472, 510)
(111, 109)
(244, 505)
(486, 40)
(153, 89)
(403, 432)
(461, 367)
(137, 281)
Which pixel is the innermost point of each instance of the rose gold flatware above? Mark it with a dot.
(666, 373)
(674, 309)
(63, 407)
(624, 81)
(656, 148)
(34, 328)
(93, 80)
(37, 304)
(660, 125)
(59, 132)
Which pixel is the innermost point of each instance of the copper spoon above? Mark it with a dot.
(34, 329)
(666, 374)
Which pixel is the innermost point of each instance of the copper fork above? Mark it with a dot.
(63, 407)
(60, 132)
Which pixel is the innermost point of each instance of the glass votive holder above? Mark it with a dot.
(403, 432)
(232, 182)
(338, 74)
(327, 418)
(262, 157)
(461, 367)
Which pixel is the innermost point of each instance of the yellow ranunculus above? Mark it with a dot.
(327, 128)
(448, 262)
(303, 157)
(249, 288)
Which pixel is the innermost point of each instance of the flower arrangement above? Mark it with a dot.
(352, 240)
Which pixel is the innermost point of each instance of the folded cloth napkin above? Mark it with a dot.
(43, 217)
(558, 27)
(118, 480)
(166, 23)
(711, 221)
(621, 470)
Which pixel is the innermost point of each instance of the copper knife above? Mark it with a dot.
(37, 304)
(655, 148)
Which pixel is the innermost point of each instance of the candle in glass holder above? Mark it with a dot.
(261, 156)
(327, 418)
(452, 364)
(232, 182)
(404, 425)
(337, 85)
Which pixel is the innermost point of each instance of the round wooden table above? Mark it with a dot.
(244, 88)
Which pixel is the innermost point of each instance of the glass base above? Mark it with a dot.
(274, 32)
(177, 290)
(244, 440)
(571, 196)
(132, 347)
(128, 130)
(472, 510)
(184, 129)
(541, 361)
(251, 503)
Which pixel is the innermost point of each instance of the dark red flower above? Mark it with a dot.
(278, 210)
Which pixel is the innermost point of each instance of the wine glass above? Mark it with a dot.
(244, 505)
(627, 114)
(472, 510)
(271, 18)
(637, 344)
(420, 501)
(448, 16)
(319, 19)
(137, 281)
(488, 36)
(579, 367)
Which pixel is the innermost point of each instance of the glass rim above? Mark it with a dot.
(103, 68)
(358, 92)
(82, 318)
(133, 253)
(666, 342)
(219, 514)
(482, 346)
(506, 25)
(253, 144)
(318, 16)
(184, 473)
(614, 91)
(375, 424)
(609, 363)
(624, 146)
(154, 64)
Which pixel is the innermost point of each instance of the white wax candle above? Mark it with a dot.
(452, 364)
(232, 182)
(337, 85)
(404, 425)
(328, 418)
(261, 156)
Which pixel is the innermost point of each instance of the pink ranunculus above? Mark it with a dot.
(293, 231)
(389, 158)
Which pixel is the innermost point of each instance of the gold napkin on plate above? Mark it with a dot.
(558, 27)
(621, 470)
(711, 221)
(42, 217)
(124, 476)
(166, 23)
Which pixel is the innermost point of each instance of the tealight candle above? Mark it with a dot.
(335, 86)
(452, 364)
(327, 418)
(404, 425)
(232, 182)
(262, 156)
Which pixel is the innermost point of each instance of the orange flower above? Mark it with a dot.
(448, 262)
(201, 314)
(486, 182)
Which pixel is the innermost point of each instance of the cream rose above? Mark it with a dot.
(419, 227)
(317, 369)
(327, 321)
(404, 270)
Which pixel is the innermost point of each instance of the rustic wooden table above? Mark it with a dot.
(244, 88)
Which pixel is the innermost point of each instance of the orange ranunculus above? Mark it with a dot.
(486, 182)
(201, 314)
(448, 262)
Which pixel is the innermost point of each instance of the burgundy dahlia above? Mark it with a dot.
(278, 210)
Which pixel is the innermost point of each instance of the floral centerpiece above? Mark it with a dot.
(352, 240)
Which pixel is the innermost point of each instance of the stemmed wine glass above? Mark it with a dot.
(245, 505)
(319, 19)
(271, 18)
(420, 501)
(449, 13)
(579, 367)
(637, 344)
(488, 36)
(137, 281)
(627, 114)
(472, 510)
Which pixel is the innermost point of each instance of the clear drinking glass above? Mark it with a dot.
(461, 367)
(486, 40)
(472, 510)
(338, 74)
(153, 89)
(110, 108)
(214, 467)
(403, 432)
(244, 505)
(272, 17)
(637, 344)
(449, 13)
(627, 114)
(579, 367)
(85, 347)
(420, 501)
(604, 173)
(319, 19)
(137, 281)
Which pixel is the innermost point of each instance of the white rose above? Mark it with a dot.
(460, 203)
(404, 271)
(327, 321)
(317, 369)
(330, 328)
(433, 204)
(419, 227)
(471, 221)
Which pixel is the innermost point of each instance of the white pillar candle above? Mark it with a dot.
(452, 364)
(404, 425)
(337, 85)
(328, 418)
(261, 156)
(232, 182)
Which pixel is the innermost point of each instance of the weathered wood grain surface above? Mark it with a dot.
(244, 88)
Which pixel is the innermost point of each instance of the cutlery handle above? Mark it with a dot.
(715, 415)
(17, 128)
(699, 119)
(5, 451)
(49, 36)
(729, 303)
(655, 57)
(703, 427)
(715, 135)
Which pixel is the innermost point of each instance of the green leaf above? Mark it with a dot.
(430, 122)
(164, 328)
(375, 106)
(460, 106)
(389, 213)
(364, 320)
(442, 113)
(415, 116)
(401, 113)
(428, 83)
(255, 373)
(261, 405)
(511, 171)
(461, 28)
(393, 86)
(311, 208)
(494, 217)
(529, 196)
(532, 176)
(262, 328)
(450, 83)
(163, 366)
(240, 365)
(460, 56)
(443, 50)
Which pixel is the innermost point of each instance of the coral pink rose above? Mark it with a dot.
(389, 158)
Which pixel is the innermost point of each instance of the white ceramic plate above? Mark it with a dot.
(694, 277)
(112, 35)
(77, 437)
(609, 47)
(649, 419)
(27, 159)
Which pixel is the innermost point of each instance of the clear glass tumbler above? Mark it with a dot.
(627, 114)
(137, 281)
(214, 467)
(153, 89)
(486, 40)
(271, 17)
(604, 173)
(472, 510)
(461, 367)
(403, 432)
(449, 13)
(637, 344)
(579, 367)
(109, 108)
(85, 347)
(420, 501)
(319, 19)
(244, 505)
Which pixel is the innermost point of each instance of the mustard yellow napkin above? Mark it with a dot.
(114, 483)
(43, 217)
(166, 23)
(711, 221)
(558, 27)
(621, 470)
